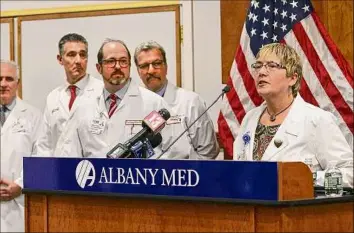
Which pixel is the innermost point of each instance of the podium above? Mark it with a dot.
(133, 195)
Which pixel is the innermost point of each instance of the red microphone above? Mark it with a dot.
(156, 121)
(152, 124)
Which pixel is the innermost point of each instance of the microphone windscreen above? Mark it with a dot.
(226, 89)
(165, 113)
(155, 121)
(155, 140)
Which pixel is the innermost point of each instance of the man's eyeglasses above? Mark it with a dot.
(270, 66)
(123, 63)
(156, 64)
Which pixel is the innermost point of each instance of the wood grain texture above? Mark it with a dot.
(35, 213)
(295, 181)
(102, 214)
(233, 15)
(72, 213)
(312, 218)
(337, 17)
(340, 26)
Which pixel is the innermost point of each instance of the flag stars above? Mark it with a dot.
(275, 24)
(255, 18)
(256, 5)
(250, 15)
(253, 32)
(266, 8)
(306, 8)
(264, 35)
(283, 27)
(294, 4)
(274, 38)
(292, 17)
(276, 11)
(265, 21)
(283, 1)
(284, 14)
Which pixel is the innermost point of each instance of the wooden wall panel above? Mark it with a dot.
(233, 15)
(340, 26)
(337, 17)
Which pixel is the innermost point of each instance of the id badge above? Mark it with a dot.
(174, 120)
(18, 126)
(97, 126)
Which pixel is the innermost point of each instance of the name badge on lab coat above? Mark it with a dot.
(18, 127)
(133, 122)
(97, 126)
(174, 120)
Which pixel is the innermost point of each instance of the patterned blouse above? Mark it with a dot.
(264, 135)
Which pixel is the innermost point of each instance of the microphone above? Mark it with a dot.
(144, 148)
(152, 123)
(224, 90)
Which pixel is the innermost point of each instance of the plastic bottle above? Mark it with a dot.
(333, 181)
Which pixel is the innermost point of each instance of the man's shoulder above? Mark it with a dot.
(93, 81)
(188, 96)
(146, 93)
(56, 91)
(30, 109)
(316, 114)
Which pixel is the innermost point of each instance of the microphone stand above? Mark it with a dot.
(224, 90)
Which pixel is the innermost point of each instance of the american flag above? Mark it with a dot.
(328, 78)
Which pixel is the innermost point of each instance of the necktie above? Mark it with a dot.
(72, 89)
(2, 115)
(113, 105)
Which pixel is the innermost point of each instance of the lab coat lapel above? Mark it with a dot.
(131, 97)
(63, 104)
(170, 94)
(286, 132)
(15, 114)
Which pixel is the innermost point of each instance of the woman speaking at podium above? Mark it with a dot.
(285, 127)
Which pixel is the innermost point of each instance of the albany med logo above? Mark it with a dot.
(85, 172)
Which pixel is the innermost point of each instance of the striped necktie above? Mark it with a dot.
(3, 109)
(113, 105)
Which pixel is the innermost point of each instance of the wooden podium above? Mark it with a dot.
(296, 210)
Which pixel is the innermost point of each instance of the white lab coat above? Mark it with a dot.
(188, 106)
(307, 132)
(57, 114)
(18, 135)
(137, 103)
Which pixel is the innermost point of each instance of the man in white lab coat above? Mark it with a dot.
(187, 106)
(20, 124)
(62, 101)
(116, 115)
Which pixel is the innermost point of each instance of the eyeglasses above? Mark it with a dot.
(156, 64)
(270, 66)
(123, 63)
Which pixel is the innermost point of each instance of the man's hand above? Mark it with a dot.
(9, 190)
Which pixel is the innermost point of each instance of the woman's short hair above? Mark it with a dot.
(288, 58)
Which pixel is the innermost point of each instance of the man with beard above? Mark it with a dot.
(116, 115)
(63, 101)
(151, 62)
(20, 123)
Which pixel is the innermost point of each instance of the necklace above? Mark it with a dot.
(273, 117)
